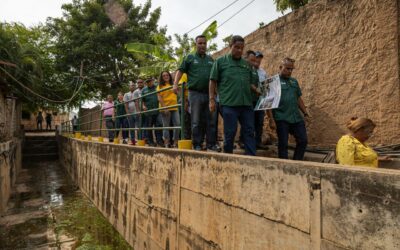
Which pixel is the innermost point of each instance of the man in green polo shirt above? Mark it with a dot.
(197, 66)
(233, 76)
(150, 102)
(287, 117)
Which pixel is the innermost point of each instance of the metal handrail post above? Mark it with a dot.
(101, 120)
(91, 119)
(140, 119)
(183, 112)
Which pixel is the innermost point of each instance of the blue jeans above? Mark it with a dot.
(153, 121)
(122, 122)
(167, 117)
(140, 122)
(203, 121)
(110, 127)
(258, 126)
(245, 116)
(131, 124)
(298, 130)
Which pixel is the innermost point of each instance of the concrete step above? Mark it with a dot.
(40, 150)
(40, 147)
(40, 157)
(40, 138)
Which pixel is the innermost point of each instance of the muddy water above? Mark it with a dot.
(48, 212)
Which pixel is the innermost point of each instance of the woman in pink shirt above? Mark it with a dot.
(108, 114)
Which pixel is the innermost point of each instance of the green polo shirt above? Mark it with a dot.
(151, 101)
(198, 70)
(119, 108)
(288, 109)
(234, 79)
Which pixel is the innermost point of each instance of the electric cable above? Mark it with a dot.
(208, 19)
(244, 7)
(38, 95)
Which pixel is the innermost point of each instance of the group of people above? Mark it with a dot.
(39, 121)
(229, 86)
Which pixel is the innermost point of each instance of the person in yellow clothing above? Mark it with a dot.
(165, 99)
(352, 149)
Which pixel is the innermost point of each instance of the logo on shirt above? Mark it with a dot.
(195, 61)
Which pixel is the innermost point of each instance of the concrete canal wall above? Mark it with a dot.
(10, 145)
(169, 199)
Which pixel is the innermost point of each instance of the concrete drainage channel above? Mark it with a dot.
(47, 211)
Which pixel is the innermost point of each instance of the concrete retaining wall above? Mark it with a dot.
(10, 145)
(165, 199)
(10, 164)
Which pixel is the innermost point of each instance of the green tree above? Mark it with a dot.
(227, 40)
(282, 5)
(162, 59)
(31, 68)
(94, 34)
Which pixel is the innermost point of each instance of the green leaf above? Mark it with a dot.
(211, 31)
(149, 49)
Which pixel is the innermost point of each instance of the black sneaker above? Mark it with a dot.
(197, 148)
(215, 148)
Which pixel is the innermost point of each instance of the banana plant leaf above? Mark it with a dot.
(149, 49)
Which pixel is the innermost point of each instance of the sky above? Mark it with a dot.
(178, 15)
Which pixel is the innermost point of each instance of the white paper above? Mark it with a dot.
(270, 94)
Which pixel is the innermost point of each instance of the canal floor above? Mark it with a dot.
(47, 211)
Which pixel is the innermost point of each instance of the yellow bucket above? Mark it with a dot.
(100, 139)
(89, 137)
(140, 143)
(116, 140)
(77, 135)
(185, 144)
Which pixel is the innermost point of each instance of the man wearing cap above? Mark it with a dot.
(150, 102)
(197, 66)
(139, 118)
(259, 114)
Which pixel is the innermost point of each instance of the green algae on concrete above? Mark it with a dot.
(79, 218)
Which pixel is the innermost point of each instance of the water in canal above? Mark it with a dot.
(47, 211)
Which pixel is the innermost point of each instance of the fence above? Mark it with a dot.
(86, 126)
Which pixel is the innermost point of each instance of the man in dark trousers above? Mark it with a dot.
(197, 66)
(150, 102)
(39, 120)
(287, 118)
(48, 121)
(235, 80)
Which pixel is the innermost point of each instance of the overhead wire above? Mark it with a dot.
(236, 13)
(208, 19)
(39, 95)
(27, 75)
